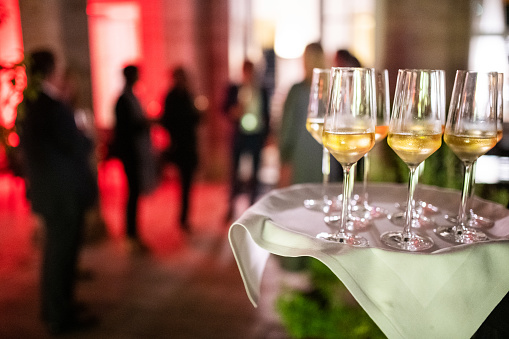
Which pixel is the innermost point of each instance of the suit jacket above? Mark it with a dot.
(232, 95)
(56, 157)
(132, 141)
(181, 119)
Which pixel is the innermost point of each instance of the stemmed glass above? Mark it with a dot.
(318, 100)
(470, 132)
(423, 208)
(349, 133)
(362, 207)
(415, 132)
(473, 219)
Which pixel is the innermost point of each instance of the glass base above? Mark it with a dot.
(460, 235)
(357, 223)
(414, 243)
(316, 204)
(353, 222)
(421, 207)
(343, 238)
(367, 211)
(420, 221)
(473, 220)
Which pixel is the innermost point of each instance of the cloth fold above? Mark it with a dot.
(444, 293)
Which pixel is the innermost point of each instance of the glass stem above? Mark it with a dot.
(364, 199)
(353, 170)
(465, 194)
(347, 191)
(326, 174)
(410, 206)
(471, 189)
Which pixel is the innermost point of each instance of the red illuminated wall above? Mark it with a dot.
(115, 42)
(11, 52)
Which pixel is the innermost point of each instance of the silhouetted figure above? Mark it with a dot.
(95, 227)
(344, 58)
(181, 119)
(301, 155)
(131, 143)
(60, 186)
(247, 106)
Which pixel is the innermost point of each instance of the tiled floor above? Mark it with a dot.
(186, 287)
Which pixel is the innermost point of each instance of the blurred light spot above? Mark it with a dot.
(153, 109)
(13, 139)
(249, 122)
(201, 102)
(160, 137)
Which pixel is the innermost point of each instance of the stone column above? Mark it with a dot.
(60, 25)
(212, 59)
(423, 34)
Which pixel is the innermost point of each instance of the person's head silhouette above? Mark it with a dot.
(131, 75)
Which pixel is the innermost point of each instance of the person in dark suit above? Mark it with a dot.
(247, 106)
(132, 146)
(181, 119)
(60, 186)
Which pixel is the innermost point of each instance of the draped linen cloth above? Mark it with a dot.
(445, 292)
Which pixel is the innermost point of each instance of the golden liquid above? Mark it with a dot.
(315, 127)
(380, 133)
(500, 134)
(348, 146)
(469, 148)
(414, 148)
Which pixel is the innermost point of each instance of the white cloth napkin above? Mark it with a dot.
(445, 293)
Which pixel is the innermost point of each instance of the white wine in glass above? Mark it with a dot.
(470, 132)
(473, 219)
(315, 127)
(348, 134)
(422, 208)
(415, 132)
(318, 100)
(362, 208)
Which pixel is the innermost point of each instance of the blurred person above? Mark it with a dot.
(300, 154)
(131, 142)
(343, 58)
(181, 119)
(95, 226)
(247, 106)
(60, 186)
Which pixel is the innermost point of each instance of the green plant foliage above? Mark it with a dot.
(443, 169)
(386, 165)
(327, 311)
(495, 193)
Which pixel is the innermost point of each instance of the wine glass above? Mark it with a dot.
(423, 208)
(318, 99)
(415, 132)
(362, 207)
(349, 133)
(473, 219)
(470, 132)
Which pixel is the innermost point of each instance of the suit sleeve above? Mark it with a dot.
(288, 126)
